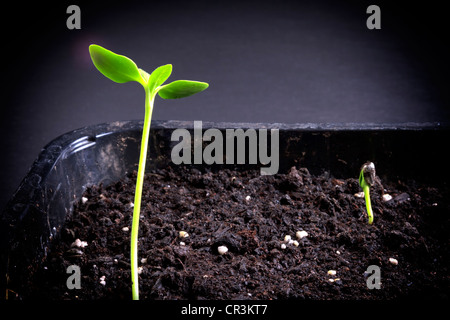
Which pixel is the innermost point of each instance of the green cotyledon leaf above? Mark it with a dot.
(116, 67)
(159, 76)
(181, 88)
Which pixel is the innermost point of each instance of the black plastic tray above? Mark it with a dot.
(104, 153)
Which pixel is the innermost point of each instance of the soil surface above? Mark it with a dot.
(251, 215)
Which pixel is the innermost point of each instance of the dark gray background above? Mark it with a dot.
(266, 61)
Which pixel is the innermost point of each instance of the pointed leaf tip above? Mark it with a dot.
(116, 67)
(181, 88)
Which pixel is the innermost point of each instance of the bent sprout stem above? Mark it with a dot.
(122, 69)
(366, 190)
(366, 179)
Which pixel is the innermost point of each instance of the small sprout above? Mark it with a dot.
(183, 234)
(301, 234)
(393, 261)
(387, 197)
(222, 250)
(366, 180)
(331, 272)
(287, 238)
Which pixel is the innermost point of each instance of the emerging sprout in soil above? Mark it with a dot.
(121, 69)
(366, 180)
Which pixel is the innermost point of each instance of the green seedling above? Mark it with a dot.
(366, 180)
(121, 69)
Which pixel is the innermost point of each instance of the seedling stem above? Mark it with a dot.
(149, 101)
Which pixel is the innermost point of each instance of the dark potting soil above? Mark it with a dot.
(251, 214)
